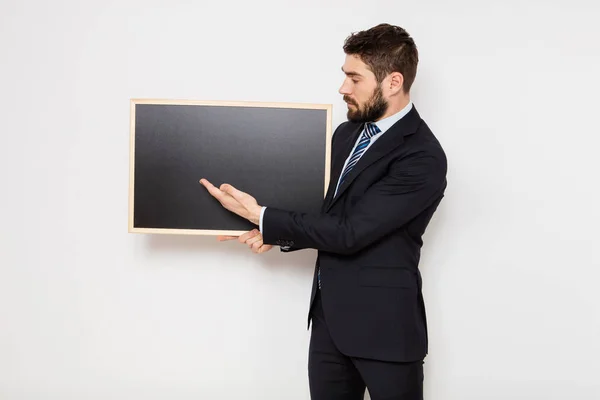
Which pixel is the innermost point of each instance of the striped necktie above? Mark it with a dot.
(370, 130)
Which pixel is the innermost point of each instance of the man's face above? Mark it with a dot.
(362, 92)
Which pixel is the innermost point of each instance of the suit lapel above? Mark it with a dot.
(390, 140)
(339, 158)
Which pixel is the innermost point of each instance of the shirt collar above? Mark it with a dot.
(387, 123)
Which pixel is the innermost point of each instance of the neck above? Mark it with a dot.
(395, 107)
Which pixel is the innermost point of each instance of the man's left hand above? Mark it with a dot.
(235, 201)
(252, 239)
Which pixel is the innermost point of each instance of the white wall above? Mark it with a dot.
(510, 264)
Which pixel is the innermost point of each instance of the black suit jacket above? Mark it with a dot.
(369, 239)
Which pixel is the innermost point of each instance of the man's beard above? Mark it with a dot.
(372, 110)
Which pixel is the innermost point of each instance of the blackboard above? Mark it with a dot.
(277, 152)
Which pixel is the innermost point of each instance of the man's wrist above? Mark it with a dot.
(255, 215)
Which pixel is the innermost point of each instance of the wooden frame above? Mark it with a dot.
(134, 102)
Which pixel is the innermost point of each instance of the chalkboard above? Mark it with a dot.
(277, 152)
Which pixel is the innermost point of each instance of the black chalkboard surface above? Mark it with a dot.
(277, 152)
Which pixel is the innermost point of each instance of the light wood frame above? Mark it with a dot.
(136, 101)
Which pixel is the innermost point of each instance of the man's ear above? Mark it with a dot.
(396, 81)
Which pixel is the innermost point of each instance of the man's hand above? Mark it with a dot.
(253, 239)
(235, 201)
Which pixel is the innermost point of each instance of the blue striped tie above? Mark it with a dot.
(370, 130)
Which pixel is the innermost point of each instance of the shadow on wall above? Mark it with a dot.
(196, 245)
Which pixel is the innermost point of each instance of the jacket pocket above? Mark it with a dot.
(387, 277)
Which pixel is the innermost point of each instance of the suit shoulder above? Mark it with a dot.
(425, 139)
(423, 143)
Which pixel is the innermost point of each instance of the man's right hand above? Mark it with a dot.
(253, 239)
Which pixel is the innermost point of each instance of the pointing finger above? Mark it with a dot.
(222, 238)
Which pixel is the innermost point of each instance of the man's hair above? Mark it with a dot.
(385, 49)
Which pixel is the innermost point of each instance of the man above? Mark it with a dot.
(388, 176)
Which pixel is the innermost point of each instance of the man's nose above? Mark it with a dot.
(344, 89)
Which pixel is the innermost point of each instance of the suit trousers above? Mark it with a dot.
(336, 376)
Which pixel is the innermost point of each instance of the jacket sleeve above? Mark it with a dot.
(411, 185)
(289, 248)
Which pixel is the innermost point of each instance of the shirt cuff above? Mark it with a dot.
(260, 225)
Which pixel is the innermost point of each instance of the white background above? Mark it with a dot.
(510, 262)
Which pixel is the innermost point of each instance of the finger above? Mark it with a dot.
(214, 191)
(256, 245)
(222, 238)
(233, 192)
(227, 201)
(243, 238)
(206, 183)
(252, 240)
(264, 248)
